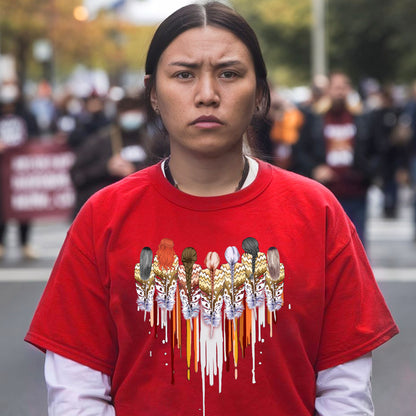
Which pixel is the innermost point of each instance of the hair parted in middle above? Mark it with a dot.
(213, 14)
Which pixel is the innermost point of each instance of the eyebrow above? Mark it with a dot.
(194, 65)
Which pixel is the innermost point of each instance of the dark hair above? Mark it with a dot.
(251, 246)
(200, 15)
(146, 258)
(131, 103)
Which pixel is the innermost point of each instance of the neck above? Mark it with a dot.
(203, 176)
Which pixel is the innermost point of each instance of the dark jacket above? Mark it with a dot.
(90, 172)
(311, 149)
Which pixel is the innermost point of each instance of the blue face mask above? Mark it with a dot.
(131, 120)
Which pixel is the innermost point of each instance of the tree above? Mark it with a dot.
(373, 38)
(283, 30)
(105, 42)
(365, 38)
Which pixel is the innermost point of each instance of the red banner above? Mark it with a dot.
(35, 181)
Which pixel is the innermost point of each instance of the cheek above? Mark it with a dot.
(172, 107)
(173, 120)
(244, 107)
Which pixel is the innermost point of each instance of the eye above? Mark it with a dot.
(228, 74)
(183, 75)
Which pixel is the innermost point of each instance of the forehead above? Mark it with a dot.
(207, 43)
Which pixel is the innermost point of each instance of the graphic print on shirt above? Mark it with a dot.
(242, 289)
(165, 268)
(340, 144)
(145, 280)
(234, 283)
(255, 266)
(188, 282)
(211, 283)
(274, 280)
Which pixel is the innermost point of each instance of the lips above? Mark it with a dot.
(207, 120)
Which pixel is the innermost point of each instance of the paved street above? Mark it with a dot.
(392, 253)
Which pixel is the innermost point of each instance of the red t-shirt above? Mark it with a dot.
(333, 311)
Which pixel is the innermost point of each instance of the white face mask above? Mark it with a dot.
(74, 106)
(9, 94)
(131, 120)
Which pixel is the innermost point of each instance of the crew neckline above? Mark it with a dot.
(212, 203)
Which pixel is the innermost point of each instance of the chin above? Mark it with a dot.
(214, 150)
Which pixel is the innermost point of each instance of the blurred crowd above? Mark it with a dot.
(108, 134)
(344, 137)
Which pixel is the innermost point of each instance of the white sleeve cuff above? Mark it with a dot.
(345, 389)
(75, 389)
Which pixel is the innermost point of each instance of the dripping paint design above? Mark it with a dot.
(225, 307)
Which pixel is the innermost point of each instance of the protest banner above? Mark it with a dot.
(36, 181)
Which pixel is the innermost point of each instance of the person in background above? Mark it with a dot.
(319, 93)
(112, 153)
(211, 283)
(336, 149)
(17, 126)
(91, 119)
(410, 113)
(273, 138)
(42, 106)
(68, 112)
(284, 134)
(390, 130)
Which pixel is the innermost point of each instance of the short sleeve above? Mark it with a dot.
(73, 317)
(356, 319)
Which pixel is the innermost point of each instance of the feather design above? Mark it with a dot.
(145, 280)
(234, 283)
(274, 280)
(166, 283)
(211, 283)
(274, 290)
(255, 282)
(188, 282)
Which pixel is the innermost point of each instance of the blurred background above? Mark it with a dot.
(72, 120)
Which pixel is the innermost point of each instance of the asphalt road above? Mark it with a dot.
(391, 250)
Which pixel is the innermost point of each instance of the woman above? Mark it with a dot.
(206, 80)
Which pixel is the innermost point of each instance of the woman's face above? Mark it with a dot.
(205, 91)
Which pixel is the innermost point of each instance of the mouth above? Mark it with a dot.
(207, 122)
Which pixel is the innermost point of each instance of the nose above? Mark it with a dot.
(207, 93)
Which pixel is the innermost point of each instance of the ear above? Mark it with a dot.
(259, 97)
(148, 82)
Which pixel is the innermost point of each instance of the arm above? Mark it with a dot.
(73, 386)
(345, 389)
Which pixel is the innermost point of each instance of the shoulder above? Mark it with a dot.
(111, 205)
(305, 201)
(298, 187)
(133, 186)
